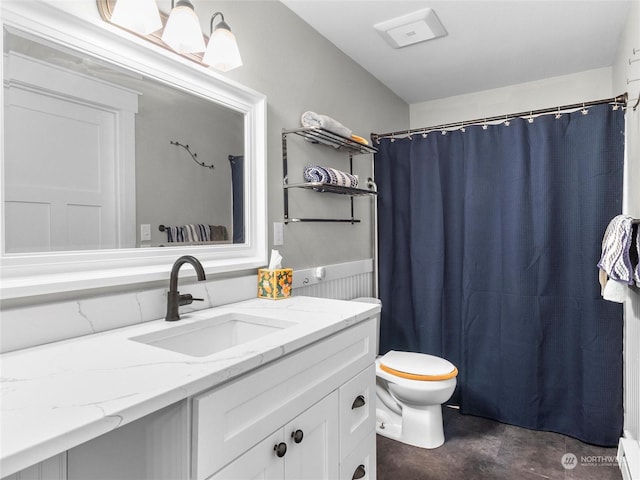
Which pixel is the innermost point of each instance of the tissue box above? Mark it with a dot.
(275, 284)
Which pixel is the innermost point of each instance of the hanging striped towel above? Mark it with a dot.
(192, 233)
(637, 274)
(175, 234)
(331, 176)
(615, 260)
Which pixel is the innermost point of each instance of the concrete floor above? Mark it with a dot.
(476, 449)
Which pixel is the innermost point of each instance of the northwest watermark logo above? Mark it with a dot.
(570, 461)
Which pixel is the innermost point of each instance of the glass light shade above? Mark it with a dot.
(182, 32)
(140, 16)
(222, 52)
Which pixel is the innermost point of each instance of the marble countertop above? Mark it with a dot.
(59, 395)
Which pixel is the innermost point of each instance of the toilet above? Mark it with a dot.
(411, 388)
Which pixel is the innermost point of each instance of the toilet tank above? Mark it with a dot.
(378, 302)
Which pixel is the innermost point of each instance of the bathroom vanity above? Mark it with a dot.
(288, 393)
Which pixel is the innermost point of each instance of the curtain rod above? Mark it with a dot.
(479, 121)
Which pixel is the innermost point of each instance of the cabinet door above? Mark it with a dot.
(259, 463)
(316, 455)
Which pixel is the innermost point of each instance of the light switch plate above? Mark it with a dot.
(145, 232)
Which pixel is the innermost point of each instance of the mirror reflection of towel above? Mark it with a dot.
(219, 233)
(196, 233)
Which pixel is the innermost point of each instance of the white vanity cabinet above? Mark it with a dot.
(322, 394)
(308, 414)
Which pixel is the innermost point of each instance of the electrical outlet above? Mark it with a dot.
(145, 232)
(278, 233)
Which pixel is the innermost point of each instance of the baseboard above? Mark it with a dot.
(629, 458)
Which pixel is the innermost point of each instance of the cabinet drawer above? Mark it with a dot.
(357, 409)
(361, 462)
(231, 418)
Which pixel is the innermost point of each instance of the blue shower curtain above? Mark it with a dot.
(489, 240)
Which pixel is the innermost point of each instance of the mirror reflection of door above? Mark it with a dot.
(89, 162)
(61, 183)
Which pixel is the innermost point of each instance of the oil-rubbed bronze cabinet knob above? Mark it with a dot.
(297, 436)
(280, 449)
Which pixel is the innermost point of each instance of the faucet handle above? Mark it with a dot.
(187, 299)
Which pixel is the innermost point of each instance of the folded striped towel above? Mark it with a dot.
(331, 176)
(615, 260)
(313, 119)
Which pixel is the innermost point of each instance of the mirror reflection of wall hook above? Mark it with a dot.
(194, 155)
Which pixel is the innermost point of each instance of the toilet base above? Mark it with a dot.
(418, 426)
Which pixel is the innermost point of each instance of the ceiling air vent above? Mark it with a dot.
(412, 28)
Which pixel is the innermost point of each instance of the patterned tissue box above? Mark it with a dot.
(275, 284)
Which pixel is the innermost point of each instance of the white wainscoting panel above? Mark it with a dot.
(343, 281)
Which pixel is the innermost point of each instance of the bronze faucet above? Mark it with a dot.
(174, 299)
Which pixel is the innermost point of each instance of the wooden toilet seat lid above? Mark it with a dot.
(417, 366)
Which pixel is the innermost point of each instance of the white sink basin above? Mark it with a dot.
(212, 335)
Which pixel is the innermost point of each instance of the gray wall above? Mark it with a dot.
(299, 70)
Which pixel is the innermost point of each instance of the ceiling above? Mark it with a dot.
(489, 44)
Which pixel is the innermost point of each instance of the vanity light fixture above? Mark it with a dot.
(182, 32)
(140, 16)
(222, 52)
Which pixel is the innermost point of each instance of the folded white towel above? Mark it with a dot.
(312, 119)
(615, 260)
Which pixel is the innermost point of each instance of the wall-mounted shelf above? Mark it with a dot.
(324, 137)
(329, 138)
(328, 188)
